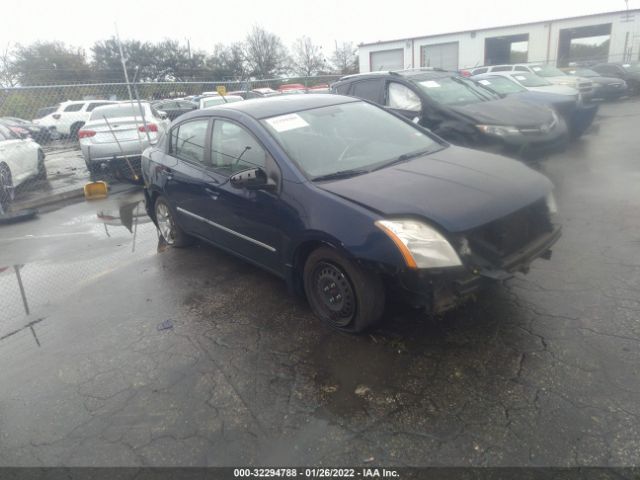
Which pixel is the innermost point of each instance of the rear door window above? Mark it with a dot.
(188, 140)
(369, 89)
(76, 107)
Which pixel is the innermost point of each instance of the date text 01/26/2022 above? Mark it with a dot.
(316, 472)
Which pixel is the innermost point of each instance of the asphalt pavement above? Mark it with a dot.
(120, 351)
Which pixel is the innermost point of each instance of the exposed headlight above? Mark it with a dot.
(421, 246)
(567, 83)
(552, 206)
(498, 130)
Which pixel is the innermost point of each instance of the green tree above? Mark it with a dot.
(46, 63)
(228, 62)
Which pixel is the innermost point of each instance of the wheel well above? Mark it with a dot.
(4, 165)
(150, 198)
(300, 256)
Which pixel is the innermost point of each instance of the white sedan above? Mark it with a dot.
(20, 160)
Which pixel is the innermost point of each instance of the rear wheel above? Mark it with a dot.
(42, 169)
(75, 128)
(6, 188)
(341, 293)
(171, 233)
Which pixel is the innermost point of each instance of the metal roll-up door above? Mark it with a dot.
(387, 60)
(443, 55)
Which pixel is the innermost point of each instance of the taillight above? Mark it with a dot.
(56, 116)
(151, 127)
(86, 133)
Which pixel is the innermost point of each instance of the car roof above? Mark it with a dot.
(260, 108)
(411, 74)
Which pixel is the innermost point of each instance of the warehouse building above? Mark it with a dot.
(613, 37)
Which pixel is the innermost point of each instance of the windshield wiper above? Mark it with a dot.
(404, 157)
(341, 174)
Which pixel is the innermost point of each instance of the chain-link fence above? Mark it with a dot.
(53, 116)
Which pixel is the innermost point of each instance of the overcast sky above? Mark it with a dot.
(325, 21)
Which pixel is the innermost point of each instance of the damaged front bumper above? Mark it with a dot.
(443, 290)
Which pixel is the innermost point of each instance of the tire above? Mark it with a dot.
(42, 169)
(75, 128)
(171, 233)
(6, 189)
(341, 293)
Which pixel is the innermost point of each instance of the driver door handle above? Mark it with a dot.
(167, 173)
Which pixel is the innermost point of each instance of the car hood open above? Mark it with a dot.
(456, 188)
(506, 111)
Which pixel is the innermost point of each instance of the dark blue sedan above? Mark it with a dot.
(348, 203)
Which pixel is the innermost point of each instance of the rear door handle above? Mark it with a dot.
(212, 193)
(167, 173)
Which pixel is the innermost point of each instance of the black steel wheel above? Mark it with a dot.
(341, 293)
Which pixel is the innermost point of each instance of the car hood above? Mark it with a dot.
(546, 98)
(456, 188)
(506, 111)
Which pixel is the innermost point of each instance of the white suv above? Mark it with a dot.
(552, 74)
(70, 116)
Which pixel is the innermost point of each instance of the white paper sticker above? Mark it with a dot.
(287, 122)
(536, 69)
(626, 65)
(431, 84)
(484, 82)
(519, 77)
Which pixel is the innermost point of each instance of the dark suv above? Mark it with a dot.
(462, 112)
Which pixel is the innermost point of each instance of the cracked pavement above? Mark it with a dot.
(543, 371)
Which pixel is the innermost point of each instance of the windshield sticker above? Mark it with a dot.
(431, 84)
(626, 65)
(536, 69)
(287, 122)
(519, 77)
(484, 82)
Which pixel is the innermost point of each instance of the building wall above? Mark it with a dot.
(543, 40)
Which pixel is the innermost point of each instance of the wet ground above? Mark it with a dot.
(135, 354)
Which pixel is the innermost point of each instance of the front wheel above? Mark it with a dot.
(341, 293)
(171, 233)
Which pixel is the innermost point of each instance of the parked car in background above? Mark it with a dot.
(115, 136)
(462, 112)
(292, 88)
(535, 83)
(576, 114)
(605, 88)
(70, 116)
(265, 92)
(20, 160)
(37, 132)
(246, 94)
(208, 102)
(629, 72)
(552, 74)
(348, 202)
(175, 108)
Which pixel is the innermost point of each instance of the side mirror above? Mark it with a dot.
(251, 179)
(163, 115)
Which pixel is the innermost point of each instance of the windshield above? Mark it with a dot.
(116, 111)
(352, 136)
(530, 80)
(454, 91)
(632, 67)
(501, 85)
(547, 71)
